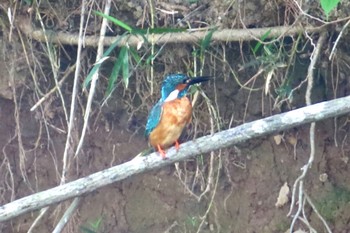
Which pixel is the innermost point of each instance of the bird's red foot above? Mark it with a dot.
(161, 151)
(177, 145)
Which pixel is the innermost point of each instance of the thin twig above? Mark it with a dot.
(151, 78)
(338, 39)
(54, 89)
(54, 66)
(308, 199)
(213, 194)
(300, 204)
(308, 15)
(94, 77)
(38, 218)
(68, 146)
(21, 150)
(67, 215)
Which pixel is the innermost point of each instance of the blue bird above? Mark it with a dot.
(171, 113)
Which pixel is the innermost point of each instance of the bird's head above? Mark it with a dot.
(176, 85)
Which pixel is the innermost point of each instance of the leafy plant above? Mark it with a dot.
(92, 227)
(115, 21)
(28, 2)
(192, 221)
(97, 65)
(122, 62)
(259, 44)
(285, 89)
(121, 66)
(328, 6)
(206, 42)
(200, 52)
(268, 56)
(138, 30)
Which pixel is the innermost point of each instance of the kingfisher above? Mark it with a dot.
(171, 113)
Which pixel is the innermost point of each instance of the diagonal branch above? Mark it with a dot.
(187, 150)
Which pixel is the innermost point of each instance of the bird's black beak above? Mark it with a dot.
(195, 80)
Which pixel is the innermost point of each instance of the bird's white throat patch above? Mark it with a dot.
(172, 96)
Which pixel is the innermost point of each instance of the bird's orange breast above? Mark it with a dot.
(175, 115)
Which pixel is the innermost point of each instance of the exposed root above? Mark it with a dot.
(213, 193)
(299, 182)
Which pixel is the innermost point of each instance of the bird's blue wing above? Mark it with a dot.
(154, 118)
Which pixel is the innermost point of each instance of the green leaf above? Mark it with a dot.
(113, 77)
(115, 21)
(206, 40)
(98, 64)
(125, 68)
(116, 70)
(136, 30)
(28, 2)
(329, 5)
(193, 89)
(96, 225)
(135, 55)
(84, 229)
(263, 38)
(149, 59)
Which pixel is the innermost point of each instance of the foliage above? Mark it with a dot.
(28, 2)
(206, 42)
(115, 21)
(269, 57)
(92, 227)
(192, 221)
(259, 44)
(328, 5)
(121, 65)
(98, 64)
(200, 53)
(138, 30)
(277, 59)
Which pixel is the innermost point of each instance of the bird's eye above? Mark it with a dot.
(185, 81)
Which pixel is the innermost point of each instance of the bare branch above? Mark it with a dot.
(190, 36)
(94, 78)
(187, 150)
